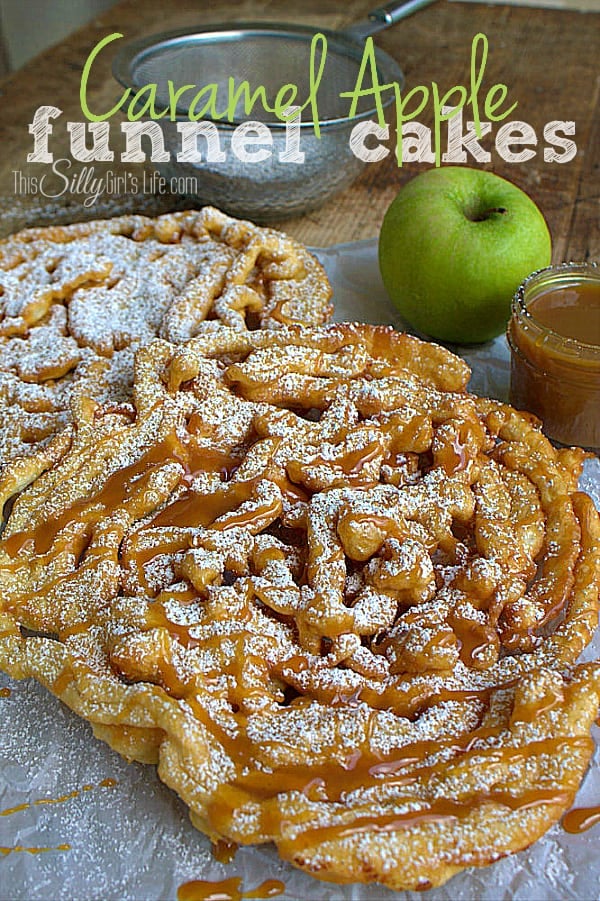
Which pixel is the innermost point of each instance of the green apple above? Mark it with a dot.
(454, 246)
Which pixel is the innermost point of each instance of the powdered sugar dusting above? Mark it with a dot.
(72, 295)
(299, 585)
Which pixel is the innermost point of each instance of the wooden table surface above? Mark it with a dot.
(549, 59)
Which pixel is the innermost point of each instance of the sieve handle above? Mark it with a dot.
(383, 17)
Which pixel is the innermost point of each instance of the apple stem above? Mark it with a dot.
(487, 213)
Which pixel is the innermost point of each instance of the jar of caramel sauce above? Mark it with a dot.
(554, 337)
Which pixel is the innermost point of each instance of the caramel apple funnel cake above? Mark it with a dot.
(336, 598)
(76, 301)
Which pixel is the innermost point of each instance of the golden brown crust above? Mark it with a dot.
(76, 301)
(334, 595)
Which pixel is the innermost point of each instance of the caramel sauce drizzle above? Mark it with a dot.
(109, 782)
(156, 617)
(580, 819)
(331, 781)
(277, 313)
(353, 463)
(227, 890)
(64, 680)
(270, 888)
(14, 849)
(473, 638)
(192, 509)
(549, 701)
(402, 701)
(9, 811)
(224, 851)
(439, 811)
(114, 493)
(120, 486)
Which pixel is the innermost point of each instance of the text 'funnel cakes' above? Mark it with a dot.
(337, 599)
(76, 301)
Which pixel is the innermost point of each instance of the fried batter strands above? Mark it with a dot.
(76, 301)
(329, 590)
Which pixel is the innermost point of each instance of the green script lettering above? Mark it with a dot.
(250, 99)
(148, 107)
(174, 95)
(375, 90)
(439, 116)
(286, 97)
(91, 117)
(315, 79)
(402, 116)
(210, 107)
(490, 106)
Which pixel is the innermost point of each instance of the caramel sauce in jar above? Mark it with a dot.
(554, 336)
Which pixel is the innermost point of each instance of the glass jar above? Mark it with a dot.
(554, 337)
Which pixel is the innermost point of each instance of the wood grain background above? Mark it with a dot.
(548, 58)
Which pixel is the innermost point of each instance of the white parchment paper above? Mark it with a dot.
(133, 840)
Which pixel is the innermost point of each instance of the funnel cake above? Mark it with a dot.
(336, 598)
(76, 301)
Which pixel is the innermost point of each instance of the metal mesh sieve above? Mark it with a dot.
(269, 55)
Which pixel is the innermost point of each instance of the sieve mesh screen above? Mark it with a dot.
(268, 59)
